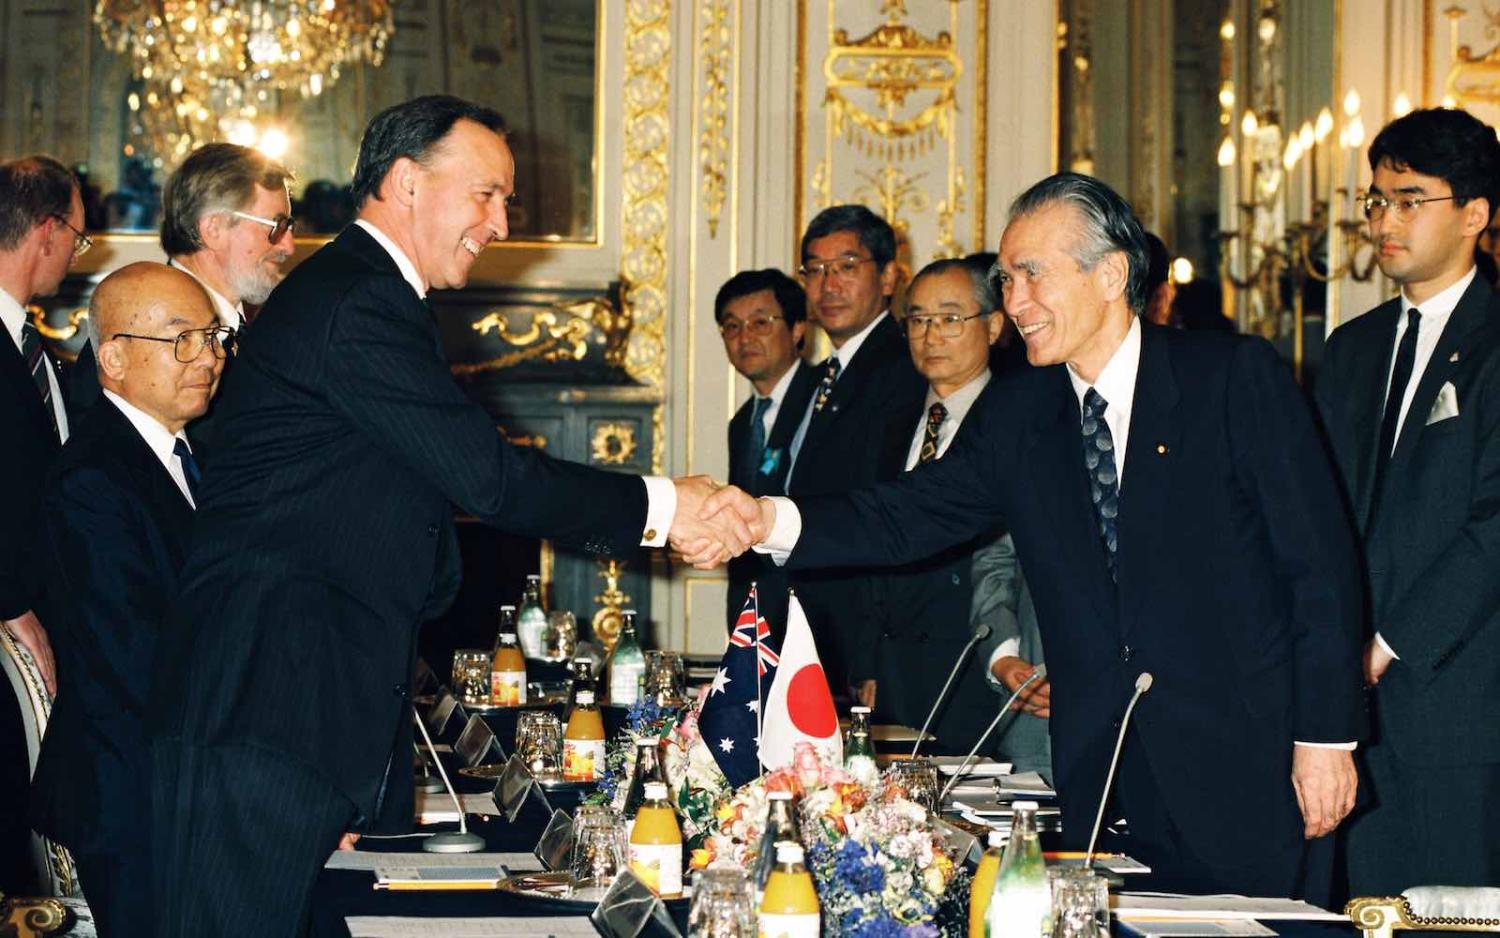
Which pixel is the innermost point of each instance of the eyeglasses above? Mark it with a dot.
(844, 267)
(949, 325)
(1374, 206)
(189, 344)
(81, 241)
(279, 225)
(758, 326)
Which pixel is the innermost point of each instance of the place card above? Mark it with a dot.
(422, 678)
(515, 781)
(475, 743)
(628, 907)
(437, 717)
(556, 843)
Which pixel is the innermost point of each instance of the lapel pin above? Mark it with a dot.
(1161, 449)
(1453, 357)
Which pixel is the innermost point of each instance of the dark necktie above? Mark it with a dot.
(755, 446)
(825, 387)
(1104, 480)
(189, 466)
(37, 364)
(1401, 368)
(936, 414)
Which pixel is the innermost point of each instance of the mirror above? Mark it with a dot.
(535, 61)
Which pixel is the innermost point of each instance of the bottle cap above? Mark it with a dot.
(533, 576)
(509, 607)
(1024, 805)
(585, 696)
(779, 796)
(997, 839)
(656, 791)
(788, 852)
(628, 612)
(859, 709)
(507, 636)
(646, 743)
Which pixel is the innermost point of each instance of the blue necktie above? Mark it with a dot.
(37, 364)
(1104, 480)
(189, 466)
(755, 447)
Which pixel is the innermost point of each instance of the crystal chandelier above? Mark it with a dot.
(209, 69)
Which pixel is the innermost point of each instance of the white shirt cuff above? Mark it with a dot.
(661, 507)
(1348, 747)
(1010, 648)
(1380, 640)
(784, 531)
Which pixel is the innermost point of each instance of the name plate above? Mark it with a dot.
(556, 843)
(515, 781)
(436, 719)
(628, 907)
(422, 678)
(475, 743)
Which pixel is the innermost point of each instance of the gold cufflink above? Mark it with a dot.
(650, 534)
(1161, 449)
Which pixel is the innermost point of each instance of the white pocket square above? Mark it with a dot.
(1446, 405)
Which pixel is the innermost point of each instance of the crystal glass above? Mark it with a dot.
(561, 636)
(1080, 903)
(471, 676)
(539, 742)
(917, 780)
(598, 849)
(723, 904)
(666, 678)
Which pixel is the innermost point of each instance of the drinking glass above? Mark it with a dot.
(666, 678)
(561, 637)
(539, 742)
(917, 779)
(471, 675)
(723, 905)
(1080, 903)
(598, 849)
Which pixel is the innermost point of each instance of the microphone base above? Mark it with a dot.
(453, 842)
(431, 784)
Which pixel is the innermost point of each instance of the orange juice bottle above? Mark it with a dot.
(790, 906)
(656, 844)
(583, 742)
(507, 669)
(984, 884)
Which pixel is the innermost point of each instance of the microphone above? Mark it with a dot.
(1142, 684)
(1040, 674)
(981, 632)
(459, 841)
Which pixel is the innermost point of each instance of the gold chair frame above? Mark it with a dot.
(1379, 916)
(31, 918)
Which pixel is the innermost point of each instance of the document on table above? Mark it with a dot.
(1026, 783)
(1136, 905)
(372, 859)
(382, 926)
(435, 807)
(1191, 928)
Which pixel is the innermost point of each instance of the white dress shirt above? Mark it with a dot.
(845, 354)
(661, 494)
(958, 404)
(777, 395)
(229, 314)
(13, 315)
(159, 439)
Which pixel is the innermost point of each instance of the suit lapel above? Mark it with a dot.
(19, 378)
(1146, 489)
(871, 352)
(164, 499)
(1468, 316)
(1367, 406)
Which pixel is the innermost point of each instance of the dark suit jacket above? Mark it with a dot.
(117, 530)
(324, 534)
(750, 566)
(842, 451)
(30, 447)
(1238, 581)
(1432, 549)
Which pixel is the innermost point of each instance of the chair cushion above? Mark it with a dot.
(1470, 902)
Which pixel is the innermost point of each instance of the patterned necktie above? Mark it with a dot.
(936, 414)
(825, 387)
(189, 466)
(36, 363)
(1104, 481)
(755, 447)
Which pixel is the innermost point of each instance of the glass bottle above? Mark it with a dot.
(627, 666)
(859, 754)
(656, 844)
(790, 906)
(507, 667)
(532, 624)
(647, 771)
(984, 884)
(781, 827)
(583, 742)
(583, 679)
(1020, 903)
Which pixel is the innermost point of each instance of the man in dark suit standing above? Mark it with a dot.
(41, 223)
(762, 316)
(1129, 443)
(324, 533)
(849, 269)
(118, 508)
(1410, 394)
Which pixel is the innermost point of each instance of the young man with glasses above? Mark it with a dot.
(762, 316)
(117, 511)
(1410, 394)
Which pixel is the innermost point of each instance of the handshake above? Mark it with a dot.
(715, 523)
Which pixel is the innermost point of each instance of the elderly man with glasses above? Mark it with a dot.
(117, 510)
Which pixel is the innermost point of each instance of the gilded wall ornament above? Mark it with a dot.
(715, 45)
(612, 444)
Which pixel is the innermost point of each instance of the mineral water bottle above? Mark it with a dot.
(859, 755)
(627, 666)
(1020, 903)
(532, 626)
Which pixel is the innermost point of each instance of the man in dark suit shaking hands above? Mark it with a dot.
(1410, 393)
(1128, 443)
(118, 510)
(324, 533)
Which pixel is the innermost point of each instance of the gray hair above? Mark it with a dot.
(986, 296)
(1107, 221)
(91, 325)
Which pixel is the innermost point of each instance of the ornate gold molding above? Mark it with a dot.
(57, 333)
(609, 617)
(32, 918)
(644, 216)
(557, 334)
(612, 443)
(715, 46)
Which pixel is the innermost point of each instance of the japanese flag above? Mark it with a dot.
(800, 705)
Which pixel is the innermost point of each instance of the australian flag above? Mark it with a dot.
(730, 721)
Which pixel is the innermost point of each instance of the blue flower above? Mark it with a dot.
(856, 866)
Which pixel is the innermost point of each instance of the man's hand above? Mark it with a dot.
(348, 841)
(1013, 672)
(1377, 659)
(1325, 782)
(759, 514)
(708, 537)
(865, 693)
(27, 630)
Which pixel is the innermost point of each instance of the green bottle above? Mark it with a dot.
(1020, 904)
(859, 755)
(531, 621)
(627, 666)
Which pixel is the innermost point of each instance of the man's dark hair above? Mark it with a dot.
(1159, 266)
(1448, 143)
(874, 233)
(32, 189)
(216, 177)
(1108, 222)
(412, 129)
(986, 294)
(788, 293)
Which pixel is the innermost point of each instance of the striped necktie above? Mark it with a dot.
(37, 364)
